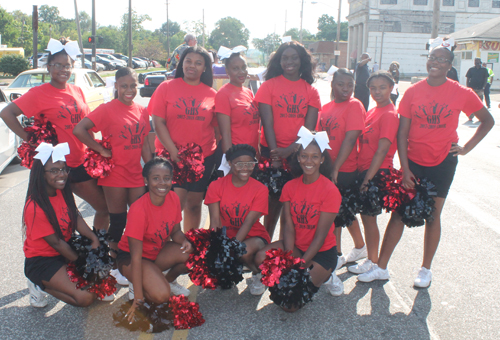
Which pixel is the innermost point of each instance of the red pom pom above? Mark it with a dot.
(277, 263)
(199, 272)
(190, 167)
(102, 288)
(394, 194)
(41, 131)
(96, 165)
(186, 313)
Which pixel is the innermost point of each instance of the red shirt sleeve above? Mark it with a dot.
(389, 127)
(286, 193)
(260, 202)
(355, 118)
(472, 102)
(222, 104)
(314, 99)
(28, 102)
(37, 220)
(98, 117)
(405, 103)
(214, 193)
(158, 104)
(136, 222)
(264, 93)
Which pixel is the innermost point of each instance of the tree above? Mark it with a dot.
(268, 44)
(229, 32)
(137, 27)
(48, 14)
(150, 49)
(85, 22)
(16, 31)
(327, 28)
(173, 28)
(13, 64)
(295, 34)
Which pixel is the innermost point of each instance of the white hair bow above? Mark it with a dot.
(45, 150)
(71, 48)
(306, 137)
(225, 52)
(440, 42)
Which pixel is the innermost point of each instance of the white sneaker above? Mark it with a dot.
(374, 273)
(37, 296)
(356, 254)
(361, 268)
(130, 291)
(340, 262)
(335, 285)
(177, 289)
(424, 278)
(107, 298)
(120, 279)
(257, 287)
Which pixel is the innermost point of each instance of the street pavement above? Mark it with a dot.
(463, 301)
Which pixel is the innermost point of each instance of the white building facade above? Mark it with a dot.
(398, 30)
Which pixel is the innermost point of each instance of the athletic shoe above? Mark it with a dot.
(361, 268)
(120, 279)
(340, 262)
(177, 289)
(107, 298)
(37, 295)
(424, 278)
(131, 291)
(356, 254)
(374, 273)
(334, 285)
(256, 286)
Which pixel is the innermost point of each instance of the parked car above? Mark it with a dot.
(142, 63)
(42, 60)
(9, 141)
(110, 57)
(108, 64)
(148, 61)
(92, 85)
(135, 64)
(99, 67)
(143, 76)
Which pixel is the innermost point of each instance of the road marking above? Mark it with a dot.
(487, 219)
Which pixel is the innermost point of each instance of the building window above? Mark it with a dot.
(448, 2)
(388, 2)
(496, 4)
(467, 55)
(421, 2)
(473, 3)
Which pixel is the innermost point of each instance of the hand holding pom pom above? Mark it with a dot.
(189, 165)
(41, 131)
(97, 165)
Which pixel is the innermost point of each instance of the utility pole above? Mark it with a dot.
(203, 23)
(382, 42)
(130, 33)
(301, 17)
(435, 18)
(285, 20)
(80, 44)
(34, 23)
(94, 66)
(337, 49)
(168, 34)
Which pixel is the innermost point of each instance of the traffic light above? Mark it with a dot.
(91, 39)
(100, 39)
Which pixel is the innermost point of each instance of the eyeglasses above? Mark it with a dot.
(57, 172)
(439, 60)
(59, 67)
(245, 165)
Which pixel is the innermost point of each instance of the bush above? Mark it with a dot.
(13, 64)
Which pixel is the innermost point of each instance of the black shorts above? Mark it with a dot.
(41, 268)
(78, 175)
(441, 175)
(326, 259)
(202, 184)
(123, 258)
(347, 179)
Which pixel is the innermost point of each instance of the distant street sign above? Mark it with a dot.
(336, 52)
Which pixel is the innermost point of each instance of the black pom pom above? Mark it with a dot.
(294, 289)
(420, 208)
(349, 207)
(371, 200)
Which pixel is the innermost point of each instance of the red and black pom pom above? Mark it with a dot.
(96, 165)
(190, 167)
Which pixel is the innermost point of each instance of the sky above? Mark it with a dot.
(261, 18)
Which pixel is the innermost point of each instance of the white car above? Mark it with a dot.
(110, 57)
(8, 139)
(92, 85)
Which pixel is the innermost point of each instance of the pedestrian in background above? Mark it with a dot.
(394, 71)
(488, 85)
(189, 41)
(477, 78)
(362, 72)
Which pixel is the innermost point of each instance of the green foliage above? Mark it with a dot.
(138, 30)
(229, 32)
(13, 64)
(48, 14)
(268, 44)
(16, 31)
(295, 34)
(327, 28)
(173, 28)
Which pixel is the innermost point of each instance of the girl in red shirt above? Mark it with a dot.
(343, 119)
(237, 201)
(427, 147)
(311, 203)
(287, 101)
(237, 113)
(50, 218)
(153, 241)
(64, 105)
(126, 124)
(377, 146)
(183, 112)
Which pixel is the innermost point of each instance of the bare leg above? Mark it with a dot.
(135, 193)
(90, 192)
(433, 233)
(154, 285)
(172, 257)
(192, 210)
(356, 235)
(271, 219)
(63, 289)
(254, 244)
(338, 237)
(372, 236)
(392, 235)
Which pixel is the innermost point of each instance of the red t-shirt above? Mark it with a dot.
(189, 112)
(151, 224)
(337, 119)
(38, 227)
(290, 101)
(307, 201)
(235, 204)
(434, 113)
(237, 103)
(380, 123)
(63, 108)
(126, 126)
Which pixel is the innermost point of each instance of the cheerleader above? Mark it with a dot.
(343, 119)
(310, 204)
(62, 104)
(153, 241)
(377, 146)
(183, 112)
(126, 124)
(428, 147)
(287, 101)
(236, 202)
(50, 218)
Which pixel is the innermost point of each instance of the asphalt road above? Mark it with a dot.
(463, 301)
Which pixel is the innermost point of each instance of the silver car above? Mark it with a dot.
(8, 139)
